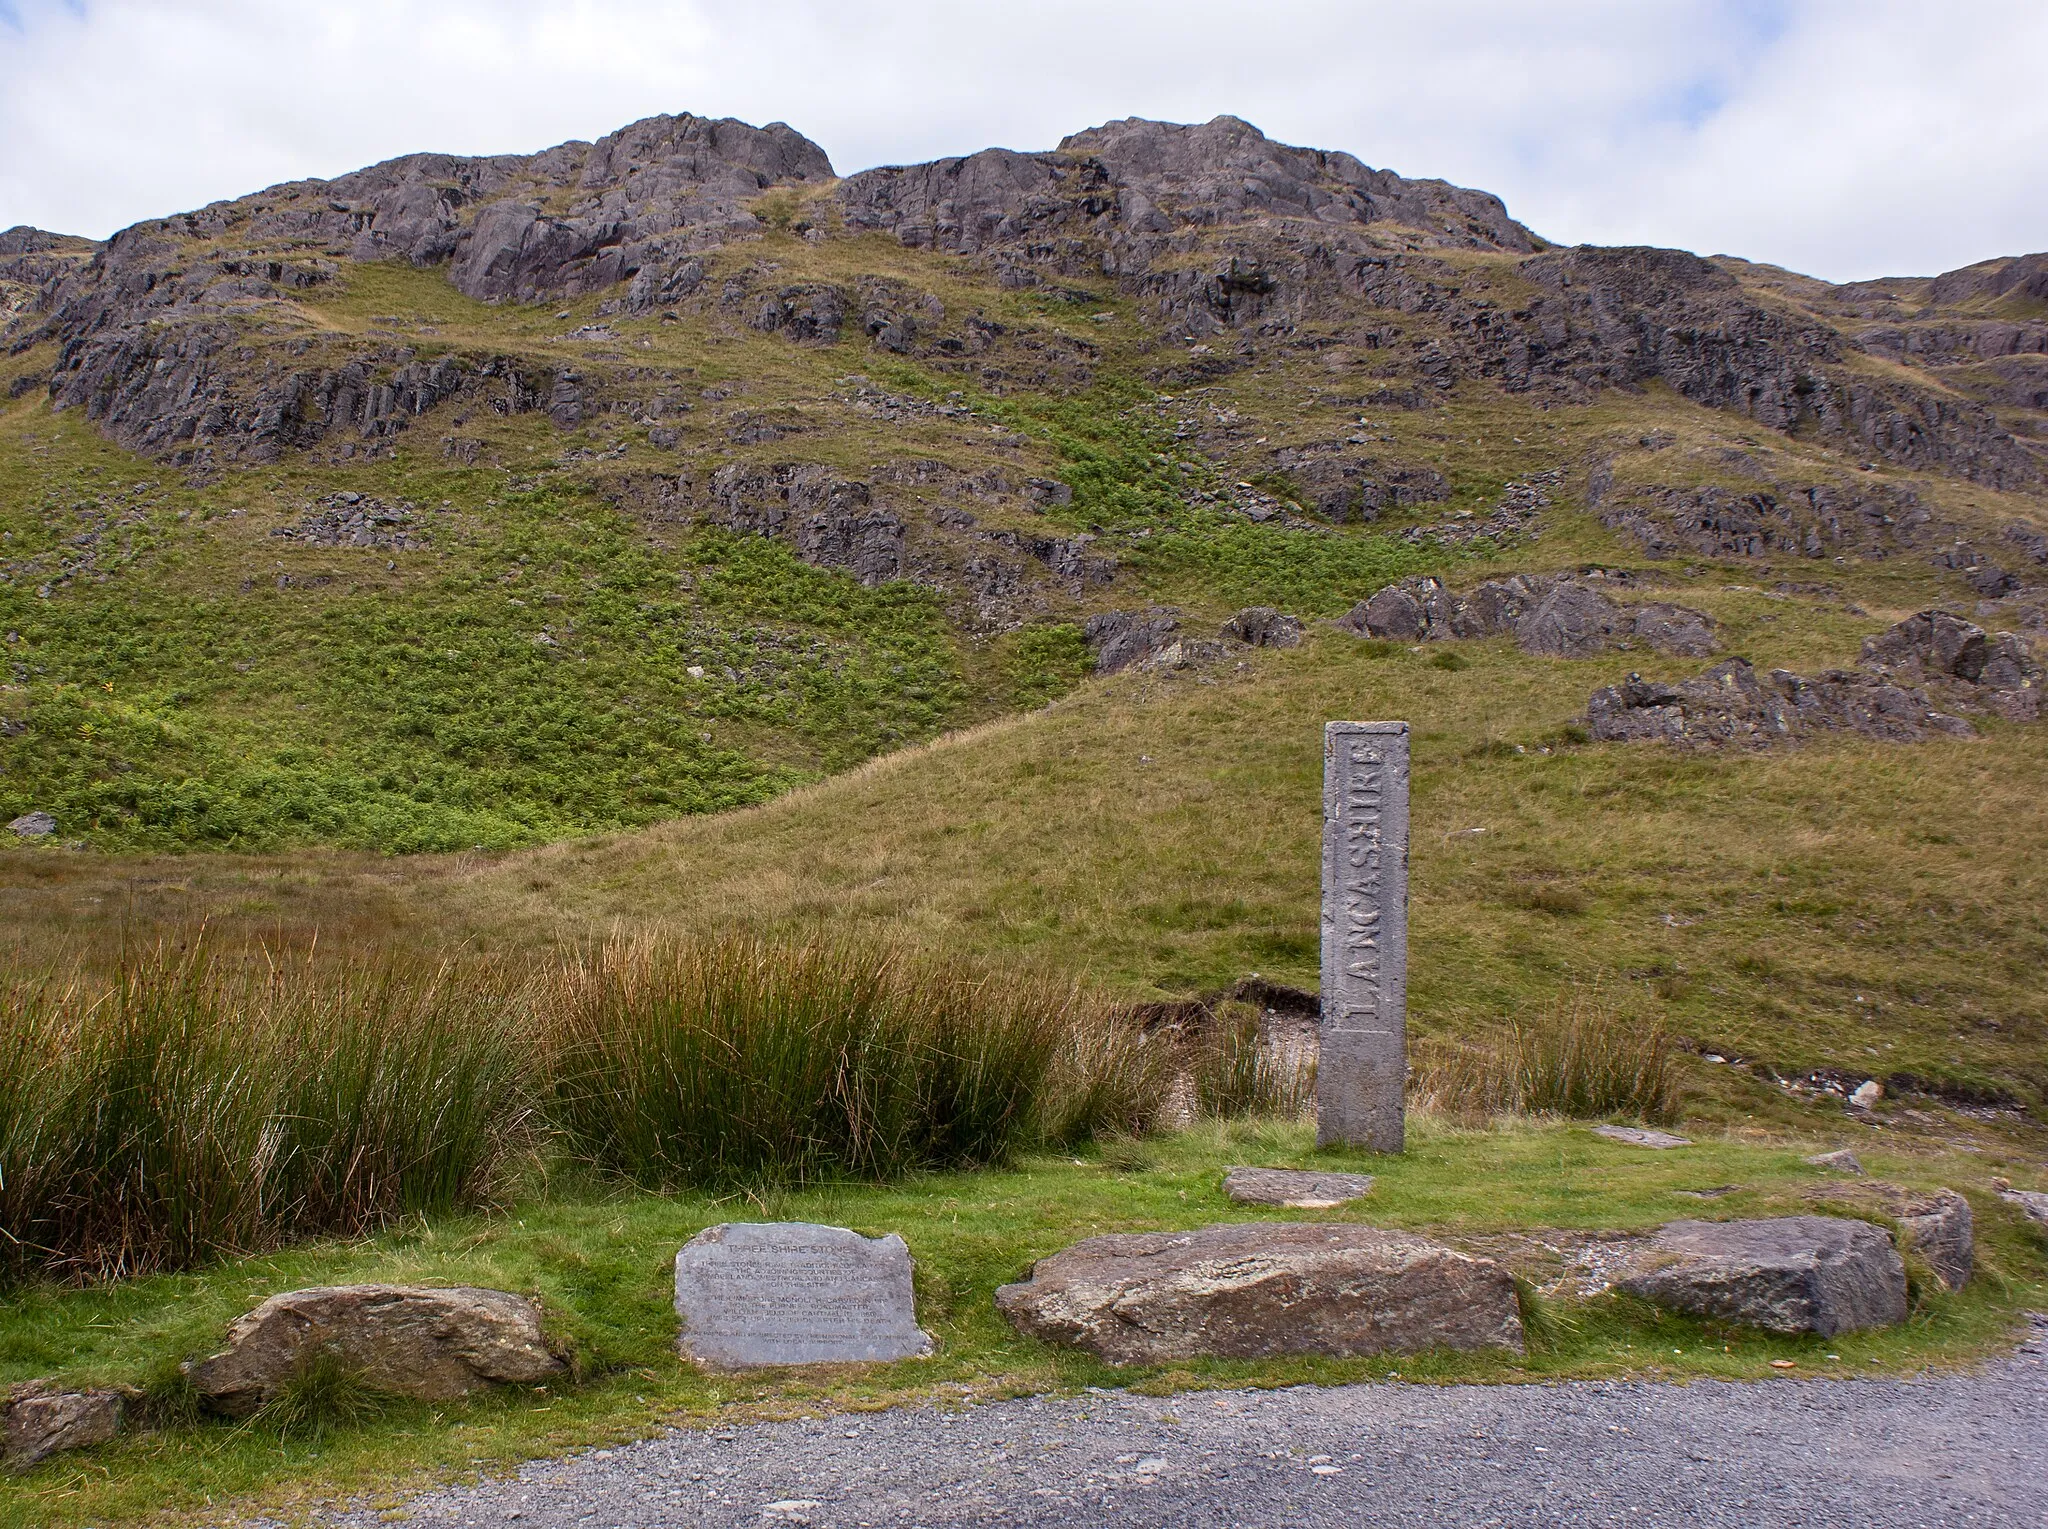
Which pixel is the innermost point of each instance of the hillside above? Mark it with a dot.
(480, 504)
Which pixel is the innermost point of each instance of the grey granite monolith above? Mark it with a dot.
(791, 1292)
(1362, 1066)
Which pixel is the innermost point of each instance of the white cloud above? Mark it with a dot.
(1844, 137)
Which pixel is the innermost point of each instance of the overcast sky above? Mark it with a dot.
(1846, 138)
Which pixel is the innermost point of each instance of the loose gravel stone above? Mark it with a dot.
(1784, 1454)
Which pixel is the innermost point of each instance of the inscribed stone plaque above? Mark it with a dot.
(1362, 1066)
(789, 1292)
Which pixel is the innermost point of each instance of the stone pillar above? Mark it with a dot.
(1362, 1070)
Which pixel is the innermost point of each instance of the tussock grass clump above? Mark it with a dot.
(194, 1106)
(191, 1106)
(1235, 1071)
(1580, 1061)
(734, 1060)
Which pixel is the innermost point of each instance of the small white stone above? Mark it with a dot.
(1867, 1094)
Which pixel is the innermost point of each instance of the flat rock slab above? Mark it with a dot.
(1790, 1274)
(1258, 1289)
(790, 1292)
(42, 1418)
(408, 1340)
(1296, 1188)
(1635, 1136)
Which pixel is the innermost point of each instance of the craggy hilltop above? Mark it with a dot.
(1158, 371)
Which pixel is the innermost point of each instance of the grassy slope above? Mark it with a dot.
(602, 1264)
(1848, 903)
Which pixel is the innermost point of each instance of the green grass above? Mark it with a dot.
(525, 679)
(601, 1262)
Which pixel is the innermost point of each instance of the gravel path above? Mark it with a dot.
(1953, 1450)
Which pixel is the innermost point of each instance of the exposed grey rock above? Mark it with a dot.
(1264, 627)
(42, 1417)
(34, 825)
(1673, 629)
(1792, 1274)
(1123, 638)
(1498, 605)
(751, 1294)
(1636, 1136)
(1970, 666)
(831, 520)
(1393, 612)
(2033, 1202)
(1843, 1161)
(409, 1340)
(1819, 520)
(1731, 704)
(1571, 621)
(1298, 1189)
(1253, 1290)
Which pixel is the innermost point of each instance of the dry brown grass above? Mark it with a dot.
(1579, 1060)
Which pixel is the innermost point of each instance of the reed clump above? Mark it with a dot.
(1578, 1060)
(736, 1060)
(194, 1105)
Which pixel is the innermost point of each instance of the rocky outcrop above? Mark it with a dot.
(1339, 483)
(1732, 704)
(1887, 698)
(1137, 180)
(407, 1340)
(43, 1418)
(1559, 617)
(1570, 621)
(1822, 520)
(349, 519)
(831, 520)
(2032, 1203)
(1969, 666)
(1120, 639)
(1263, 627)
(1793, 1274)
(1249, 1291)
(1213, 228)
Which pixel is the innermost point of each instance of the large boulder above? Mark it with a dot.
(1673, 629)
(404, 1339)
(1260, 1289)
(1792, 1274)
(41, 1418)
